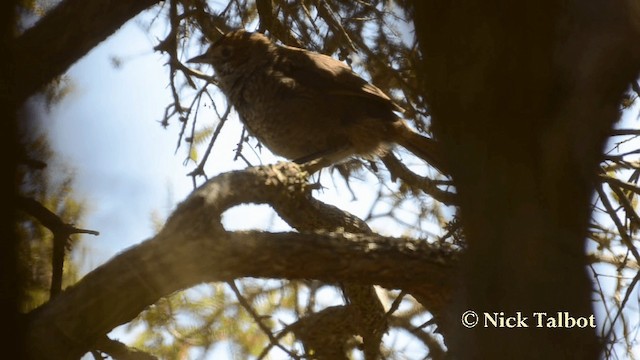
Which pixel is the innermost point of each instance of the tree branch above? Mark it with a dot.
(64, 35)
(193, 248)
(400, 171)
(120, 351)
(61, 232)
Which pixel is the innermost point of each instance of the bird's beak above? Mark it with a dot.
(200, 59)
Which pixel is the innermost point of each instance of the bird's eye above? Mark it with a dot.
(225, 52)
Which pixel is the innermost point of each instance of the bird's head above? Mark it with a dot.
(235, 51)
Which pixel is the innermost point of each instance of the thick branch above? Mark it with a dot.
(65, 35)
(116, 292)
(193, 248)
(366, 313)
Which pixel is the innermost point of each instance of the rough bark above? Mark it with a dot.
(522, 96)
(193, 248)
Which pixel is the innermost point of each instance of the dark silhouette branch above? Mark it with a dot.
(626, 238)
(61, 232)
(64, 35)
(436, 351)
(120, 351)
(400, 171)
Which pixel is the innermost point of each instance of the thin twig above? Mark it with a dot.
(616, 220)
(258, 319)
(398, 170)
(199, 170)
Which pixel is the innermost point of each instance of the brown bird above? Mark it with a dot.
(308, 106)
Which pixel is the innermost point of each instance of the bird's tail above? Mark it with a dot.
(423, 147)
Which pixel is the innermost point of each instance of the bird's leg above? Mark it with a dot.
(316, 165)
(315, 156)
(321, 159)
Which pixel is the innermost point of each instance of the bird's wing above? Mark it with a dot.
(328, 75)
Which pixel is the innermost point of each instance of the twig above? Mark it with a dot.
(120, 351)
(258, 319)
(199, 170)
(395, 304)
(619, 183)
(61, 232)
(621, 229)
(398, 170)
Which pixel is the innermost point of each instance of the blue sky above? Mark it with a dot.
(107, 130)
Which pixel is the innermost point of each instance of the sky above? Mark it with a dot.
(107, 130)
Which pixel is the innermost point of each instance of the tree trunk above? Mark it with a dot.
(522, 96)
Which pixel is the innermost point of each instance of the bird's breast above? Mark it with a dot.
(290, 120)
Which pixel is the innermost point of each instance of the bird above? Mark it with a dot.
(306, 106)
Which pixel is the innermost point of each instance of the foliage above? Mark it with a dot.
(54, 191)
